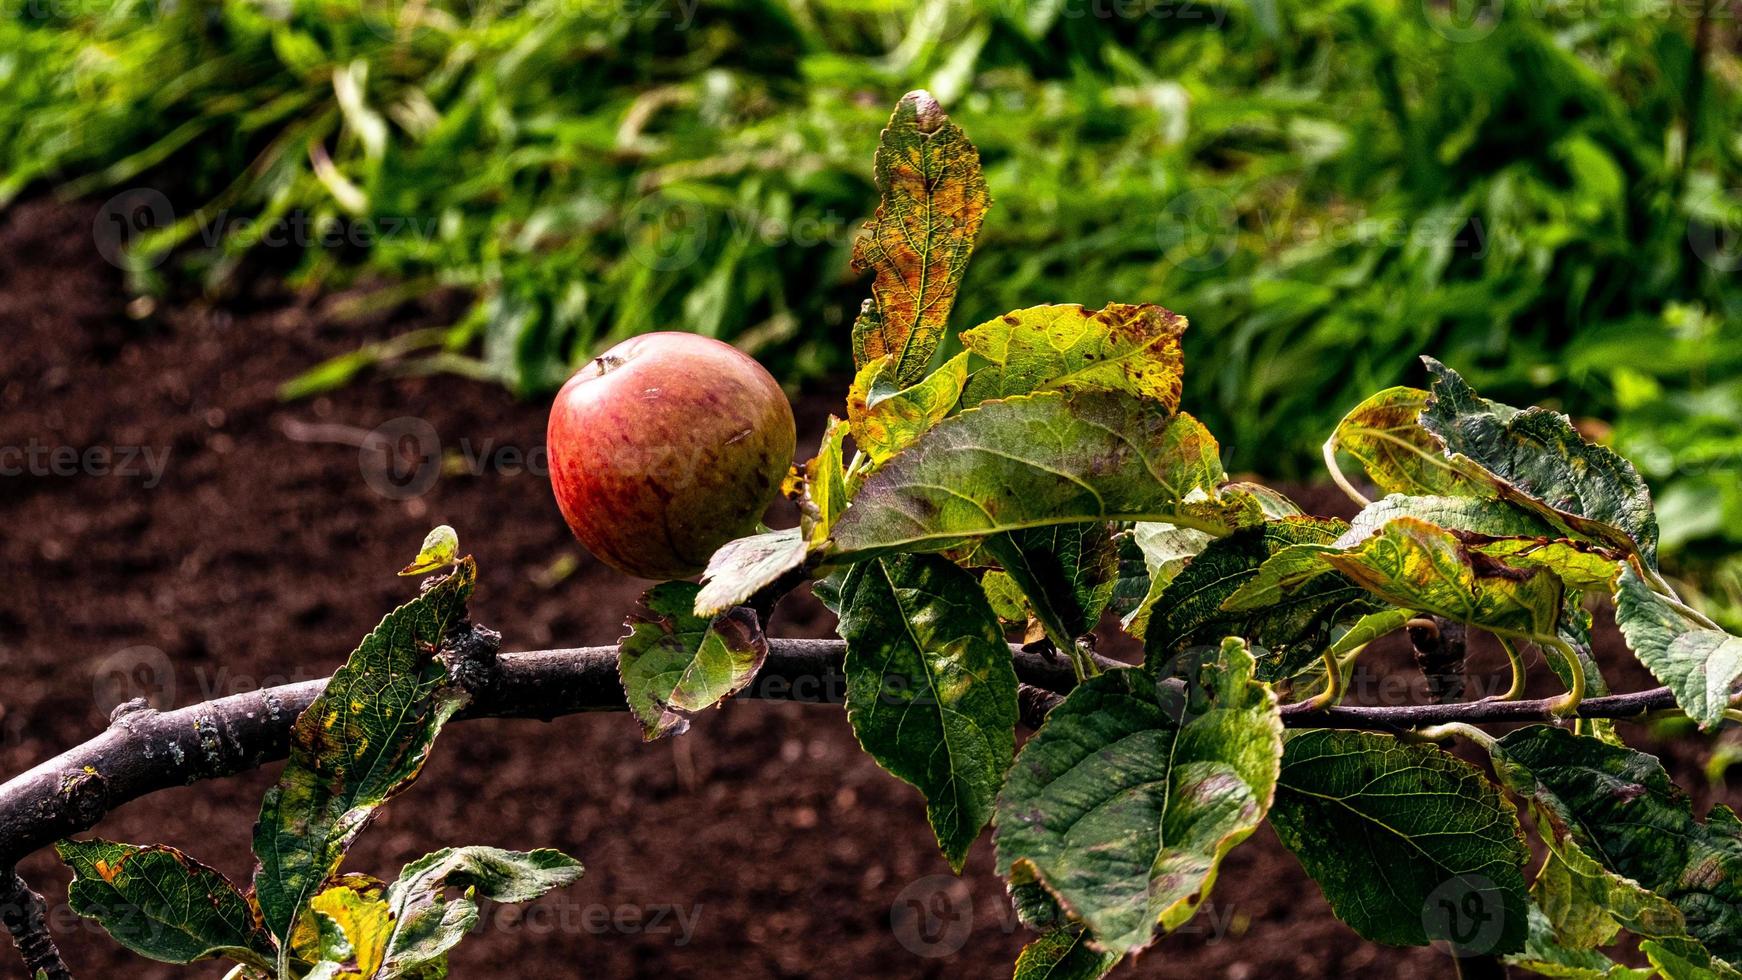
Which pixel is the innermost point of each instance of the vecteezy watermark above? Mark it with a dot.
(666, 233)
(1468, 912)
(933, 916)
(1200, 230)
(405, 457)
(145, 673)
(558, 914)
(127, 218)
(127, 462)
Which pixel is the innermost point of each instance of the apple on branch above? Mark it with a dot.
(665, 447)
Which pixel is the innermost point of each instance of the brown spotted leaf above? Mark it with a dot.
(361, 742)
(933, 198)
(162, 904)
(1041, 459)
(1122, 347)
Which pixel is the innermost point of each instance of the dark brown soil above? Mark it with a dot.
(764, 843)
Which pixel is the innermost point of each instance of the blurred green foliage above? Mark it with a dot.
(1543, 193)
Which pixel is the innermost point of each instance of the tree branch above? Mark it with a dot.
(26, 918)
(143, 750)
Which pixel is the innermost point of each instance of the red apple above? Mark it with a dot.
(665, 447)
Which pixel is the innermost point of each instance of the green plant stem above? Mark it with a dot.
(1516, 661)
(1569, 704)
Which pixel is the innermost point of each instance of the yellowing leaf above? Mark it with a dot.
(365, 923)
(1133, 349)
(933, 200)
(1385, 435)
(823, 495)
(1418, 565)
(886, 418)
(440, 548)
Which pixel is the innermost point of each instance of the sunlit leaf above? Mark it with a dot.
(1409, 844)
(365, 923)
(933, 198)
(886, 419)
(1544, 956)
(1163, 551)
(1127, 799)
(363, 740)
(1385, 435)
(1539, 454)
(674, 663)
(162, 904)
(1035, 460)
(931, 688)
(1134, 349)
(1416, 565)
(824, 492)
(1063, 954)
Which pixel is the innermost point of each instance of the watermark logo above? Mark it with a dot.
(126, 218)
(133, 673)
(401, 458)
(1196, 229)
(1463, 21)
(664, 234)
(933, 916)
(1467, 911)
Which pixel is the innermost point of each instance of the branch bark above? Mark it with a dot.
(144, 750)
(26, 917)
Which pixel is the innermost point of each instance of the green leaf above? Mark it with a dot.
(931, 688)
(1035, 460)
(1385, 435)
(1005, 597)
(426, 924)
(886, 418)
(1545, 956)
(674, 663)
(1127, 799)
(1134, 349)
(1700, 665)
(933, 198)
(1416, 565)
(1293, 629)
(1621, 809)
(1409, 844)
(1063, 954)
(741, 568)
(1066, 572)
(162, 904)
(363, 740)
(1538, 453)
